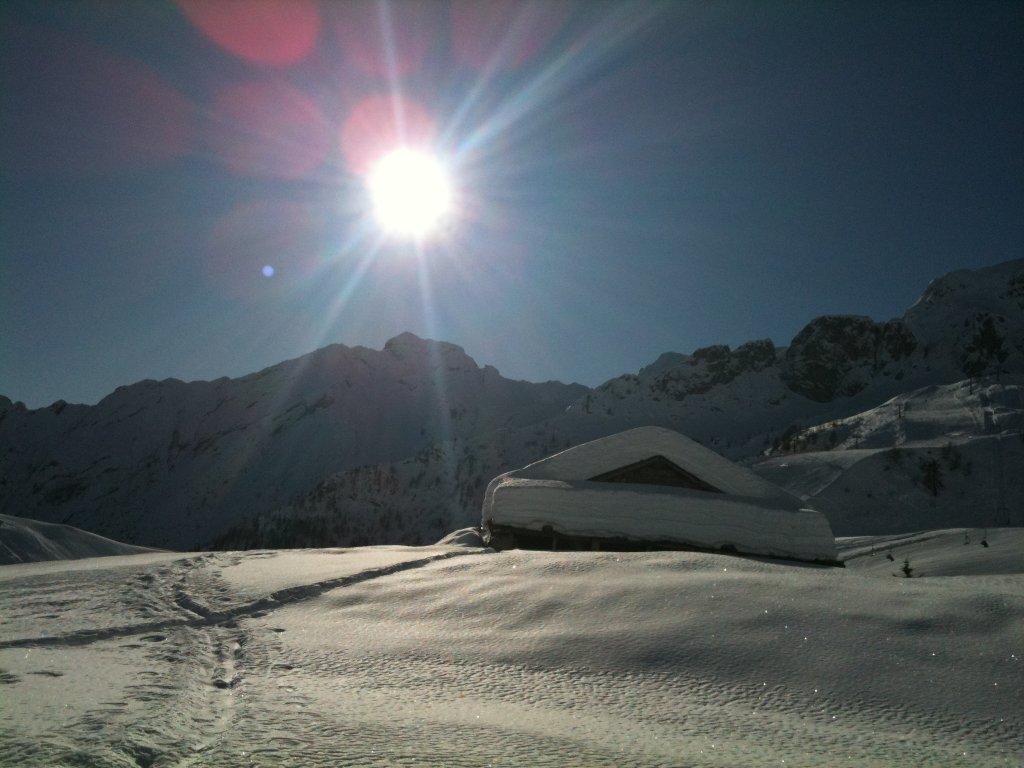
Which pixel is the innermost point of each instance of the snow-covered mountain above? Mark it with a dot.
(175, 464)
(744, 403)
(355, 446)
(967, 324)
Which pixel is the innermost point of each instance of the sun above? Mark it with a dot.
(411, 193)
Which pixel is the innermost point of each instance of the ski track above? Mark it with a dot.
(191, 612)
(852, 547)
(182, 700)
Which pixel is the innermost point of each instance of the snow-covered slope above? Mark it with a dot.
(951, 552)
(29, 541)
(938, 457)
(454, 656)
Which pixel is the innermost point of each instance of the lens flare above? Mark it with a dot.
(380, 123)
(267, 32)
(268, 129)
(504, 35)
(385, 40)
(72, 107)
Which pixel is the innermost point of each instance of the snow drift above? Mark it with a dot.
(29, 541)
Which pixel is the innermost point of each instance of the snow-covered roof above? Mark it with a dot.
(589, 460)
(579, 493)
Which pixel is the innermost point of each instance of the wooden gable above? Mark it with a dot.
(657, 470)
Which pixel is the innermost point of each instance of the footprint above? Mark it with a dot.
(220, 682)
(47, 673)
(277, 629)
(6, 678)
(286, 667)
(154, 638)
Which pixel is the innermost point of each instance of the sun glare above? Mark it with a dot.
(411, 193)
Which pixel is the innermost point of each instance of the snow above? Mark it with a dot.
(658, 513)
(25, 541)
(460, 656)
(954, 552)
(750, 515)
(583, 462)
(457, 655)
(464, 537)
(871, 481)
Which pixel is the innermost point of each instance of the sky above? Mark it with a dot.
(184, 194)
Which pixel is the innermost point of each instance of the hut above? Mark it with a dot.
(650, 488)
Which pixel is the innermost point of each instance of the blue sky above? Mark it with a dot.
(631, 178)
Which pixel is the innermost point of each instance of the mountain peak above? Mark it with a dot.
(408, 345)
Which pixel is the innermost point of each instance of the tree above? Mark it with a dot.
(986, 348)
(931, 476)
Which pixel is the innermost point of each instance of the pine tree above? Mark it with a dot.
(985, 350)
(932, 476)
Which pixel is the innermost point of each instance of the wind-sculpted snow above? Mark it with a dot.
(458, 656)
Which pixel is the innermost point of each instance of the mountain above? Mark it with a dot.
(174, 464)
(356, 446)
(744, 403)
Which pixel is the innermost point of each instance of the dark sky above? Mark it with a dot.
(631, 178)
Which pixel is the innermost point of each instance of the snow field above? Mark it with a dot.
(459, 656)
